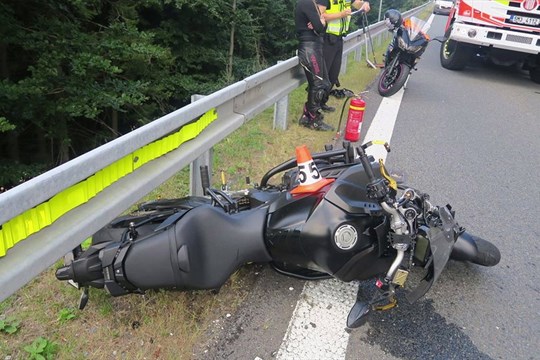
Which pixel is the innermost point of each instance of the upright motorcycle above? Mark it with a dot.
(334, 214)
(408, 44)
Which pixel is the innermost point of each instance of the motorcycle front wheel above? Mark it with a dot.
(392, 79)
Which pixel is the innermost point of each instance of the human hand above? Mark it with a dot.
(310, 25)
(323, 20)
(366, 7)
(346, 12)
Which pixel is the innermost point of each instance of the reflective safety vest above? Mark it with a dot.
(340, 26)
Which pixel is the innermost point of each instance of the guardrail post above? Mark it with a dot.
(281, 108)
(195, 183)
(358, 53)
(280, 113)
(343, 68)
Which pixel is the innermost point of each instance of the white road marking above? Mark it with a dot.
(317, 328)
(382, 126)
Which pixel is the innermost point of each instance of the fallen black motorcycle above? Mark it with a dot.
(403, 53)
(334, 214)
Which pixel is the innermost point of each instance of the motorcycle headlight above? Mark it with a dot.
(415, 49)
(402, 44)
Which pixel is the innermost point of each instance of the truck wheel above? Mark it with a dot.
(534, 73)
(454, 55)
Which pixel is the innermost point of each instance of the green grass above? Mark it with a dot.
(164, 324)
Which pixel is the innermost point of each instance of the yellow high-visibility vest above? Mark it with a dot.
(340, 26)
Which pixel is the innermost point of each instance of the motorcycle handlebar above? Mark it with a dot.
(365, 163)
(377, 188)
(290, 164)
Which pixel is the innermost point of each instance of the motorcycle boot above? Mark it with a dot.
(327, 108)
(314, 121)
(324, 100)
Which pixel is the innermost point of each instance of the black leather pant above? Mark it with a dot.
(333, 55)
(310, 54)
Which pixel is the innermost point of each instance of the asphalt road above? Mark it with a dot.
(471, 139)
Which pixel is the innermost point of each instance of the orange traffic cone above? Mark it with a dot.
(309, 178)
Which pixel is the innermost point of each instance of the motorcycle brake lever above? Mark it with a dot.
(377, 142)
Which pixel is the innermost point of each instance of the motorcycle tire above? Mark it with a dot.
(454, 55)
(393, 79)
(488, 254)
(475, 250)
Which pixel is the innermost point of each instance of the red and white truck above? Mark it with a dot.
(506, 32)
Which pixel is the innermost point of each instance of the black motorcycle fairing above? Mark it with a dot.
(349, 192)
(300, 233)
(409, 56)
(286, 218)
(188, 202)
(199, 252)
(150, 215)
(369, 262)
(441, 237)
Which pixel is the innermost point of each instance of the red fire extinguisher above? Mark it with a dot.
(354, 119)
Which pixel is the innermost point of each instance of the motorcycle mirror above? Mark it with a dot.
(358, 314)
(440, 39)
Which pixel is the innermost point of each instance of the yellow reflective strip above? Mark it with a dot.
(35, 219)
(43, 215)
(3, 247)
(31, 221)
(357, 107)
(8, 236)
(18, 230)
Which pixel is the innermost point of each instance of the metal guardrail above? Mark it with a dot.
(234, 105)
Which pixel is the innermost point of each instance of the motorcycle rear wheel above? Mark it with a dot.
(393, 79)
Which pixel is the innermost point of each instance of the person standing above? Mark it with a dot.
(310, 30)
(337, 14)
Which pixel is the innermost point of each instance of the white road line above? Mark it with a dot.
(317, 328)
(382, 126)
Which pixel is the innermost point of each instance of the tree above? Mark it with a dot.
(70, 69)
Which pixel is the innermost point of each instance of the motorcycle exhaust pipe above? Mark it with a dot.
(84, 270)
(476, 250)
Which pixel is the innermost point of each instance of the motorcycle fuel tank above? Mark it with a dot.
(336, 231)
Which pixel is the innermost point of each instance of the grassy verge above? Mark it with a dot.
(42, 319)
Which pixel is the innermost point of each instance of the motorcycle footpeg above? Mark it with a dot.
(388, 303)
(385, 296)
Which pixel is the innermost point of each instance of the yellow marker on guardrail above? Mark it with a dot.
(43, 215)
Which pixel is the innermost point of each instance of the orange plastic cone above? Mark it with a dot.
(309, 178)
